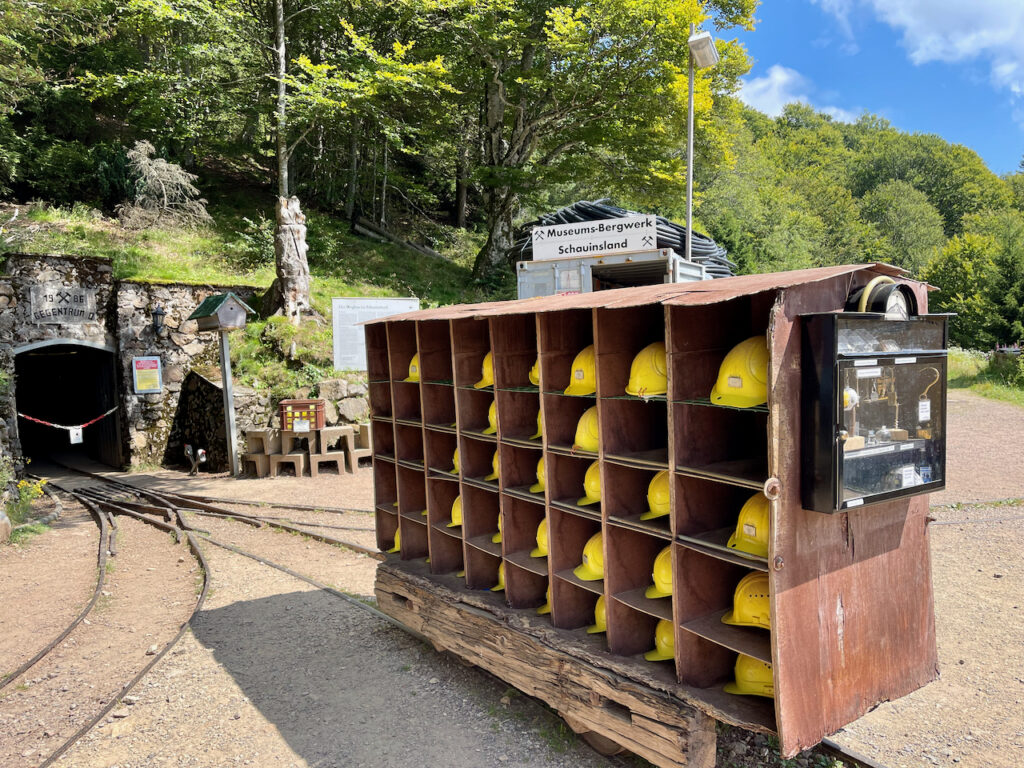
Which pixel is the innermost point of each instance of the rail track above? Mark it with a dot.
(106, 498)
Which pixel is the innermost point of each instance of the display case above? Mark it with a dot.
(874, 408)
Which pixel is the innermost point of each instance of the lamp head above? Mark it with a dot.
(158, 318)
(702, 49)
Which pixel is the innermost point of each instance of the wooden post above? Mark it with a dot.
(229, 403)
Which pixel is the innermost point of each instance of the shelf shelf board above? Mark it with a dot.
(379, 381)
(415, 518)
(561, 393)
(522, 559)
(747, 473)
(484, 544)
(706, 401)
(479, 482)
(387, 509)
(714, 542)
(410, 422)
(530, 388)
(566, 450)
(388, 457)
(523, 442)
(470, 388)
(447, 428)
(597, 587)
(442, 474)
(592, 512)
(656, 459)
(411, 464)
(478, 435)
(660, 607)
(441, 382)
(753, 641)
(650, 527)
(455, 533)
(523, 492)
(649, 399)
(383, 418)
(403, 381)
(754, 712)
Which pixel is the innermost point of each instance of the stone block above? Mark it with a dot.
(357, 389)
(353, 409)
(333, 389)
(330, 412)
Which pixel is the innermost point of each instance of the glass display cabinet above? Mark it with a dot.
(873, 408)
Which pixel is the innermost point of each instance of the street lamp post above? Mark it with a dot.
(702, 54)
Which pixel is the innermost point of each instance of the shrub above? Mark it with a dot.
(164, 192)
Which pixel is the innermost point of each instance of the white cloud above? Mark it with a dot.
(952, 31)
(781, 86)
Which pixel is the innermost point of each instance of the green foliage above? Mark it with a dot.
(999, 378)
(909, 224)
(253, 247)
(24, 492)
(961, 270)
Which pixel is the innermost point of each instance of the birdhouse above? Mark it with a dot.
(221, 312)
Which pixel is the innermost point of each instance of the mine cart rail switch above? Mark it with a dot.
(225, 312)
(598, 499)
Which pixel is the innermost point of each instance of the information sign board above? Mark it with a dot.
(147, 375)
(61, 304)
(349, 339)
(595, 238)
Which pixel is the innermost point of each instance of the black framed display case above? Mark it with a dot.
(873, 408)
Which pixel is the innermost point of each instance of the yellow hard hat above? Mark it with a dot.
(546, 608)
(658, 498)
(583, 379)
(591, 486)
(494, 468)
(662, 586)
(398, 542)
(496, 538)
(500, 586)
(414, 368)
(648, 375)
(743, 376)
(586, 431)
(541, 550)
(486, 372)
(753, 678)
(600, 618)
(540, 427)
(750, 604)
(664, 642)
(455, 463)
(751, 534)
(592, 567)
(492, 420)
(456, 520)
(424, 513)
(535, 373)
(538, 487)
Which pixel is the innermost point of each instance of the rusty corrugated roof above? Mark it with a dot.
(696, 293)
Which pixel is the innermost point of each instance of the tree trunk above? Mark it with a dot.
(280, 70)
(502, 206)
(290, 291)
(461, 183)
(353, 177)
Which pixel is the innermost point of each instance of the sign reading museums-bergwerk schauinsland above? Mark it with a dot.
(55, 303)
(595, 238)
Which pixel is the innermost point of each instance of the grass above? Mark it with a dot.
(24, 534)
(976, 371)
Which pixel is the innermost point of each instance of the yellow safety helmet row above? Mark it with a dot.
(492, 420)
(456, 520)
(751, 534)
(500, 586)
(586, 431)
(664, 642)
(494, 469)
(600, 617)
(658, 498)
(750, 602)
(538, 487)
(742, 378)
(541, 550)
(662, 575)
(496, 538)
(397, 546)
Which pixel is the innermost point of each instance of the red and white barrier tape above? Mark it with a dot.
(65, 426)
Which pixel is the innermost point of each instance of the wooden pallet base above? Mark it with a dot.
(595, 692)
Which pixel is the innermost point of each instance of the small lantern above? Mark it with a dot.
(158, 319)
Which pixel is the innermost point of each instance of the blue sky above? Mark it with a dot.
(950, 67)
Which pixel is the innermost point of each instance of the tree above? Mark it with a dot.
(962, 271)
(909, 224)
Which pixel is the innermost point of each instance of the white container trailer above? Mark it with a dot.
(583, 274)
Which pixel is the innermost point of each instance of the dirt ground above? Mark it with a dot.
(276, 672)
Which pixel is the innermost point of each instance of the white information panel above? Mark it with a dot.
(349, 338)
(595, 238)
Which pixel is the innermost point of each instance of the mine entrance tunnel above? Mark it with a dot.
(68, 384)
